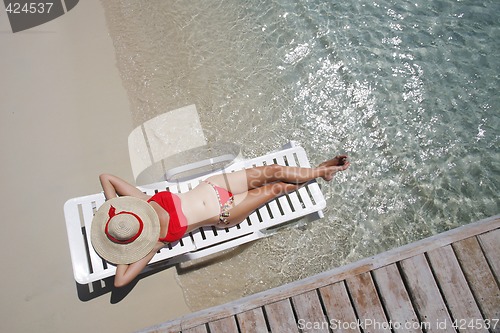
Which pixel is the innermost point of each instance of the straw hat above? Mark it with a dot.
(124, 230)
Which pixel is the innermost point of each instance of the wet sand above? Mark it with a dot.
(64, 118)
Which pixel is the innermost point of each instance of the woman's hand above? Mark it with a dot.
(112, 187)
(127, 273)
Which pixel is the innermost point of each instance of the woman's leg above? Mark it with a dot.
(245, 180)
(247, 202)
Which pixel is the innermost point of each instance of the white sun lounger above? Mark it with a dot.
(307, 201)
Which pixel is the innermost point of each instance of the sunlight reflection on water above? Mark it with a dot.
(408, 90)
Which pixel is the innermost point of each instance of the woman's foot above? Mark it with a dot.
(336, 164)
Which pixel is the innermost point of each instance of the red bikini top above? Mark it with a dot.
(177, 224)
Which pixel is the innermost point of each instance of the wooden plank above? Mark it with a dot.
(310, 316)
(367, 303)
(280, 317)
(424, 292)
(339, 308)
(364, 265)
(227, 324)
(161, 328)
(490, 242)
(480, 278)
(197, 329)
(252, 321)
(454, 287)
(338, 274)
(396, 300)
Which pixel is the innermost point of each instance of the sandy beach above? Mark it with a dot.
(65, 118)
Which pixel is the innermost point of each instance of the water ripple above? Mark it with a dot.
(408, 89)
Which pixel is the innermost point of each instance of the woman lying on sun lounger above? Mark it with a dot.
(129, 230)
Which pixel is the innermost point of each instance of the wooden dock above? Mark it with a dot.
(445, 283)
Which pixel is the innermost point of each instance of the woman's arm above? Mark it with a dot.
(126, 273)
(114, 186)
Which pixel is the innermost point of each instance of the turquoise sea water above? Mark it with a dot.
(408, 89)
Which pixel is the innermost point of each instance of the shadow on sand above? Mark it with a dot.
(87, 292)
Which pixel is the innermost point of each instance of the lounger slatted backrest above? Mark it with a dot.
(307, 201)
